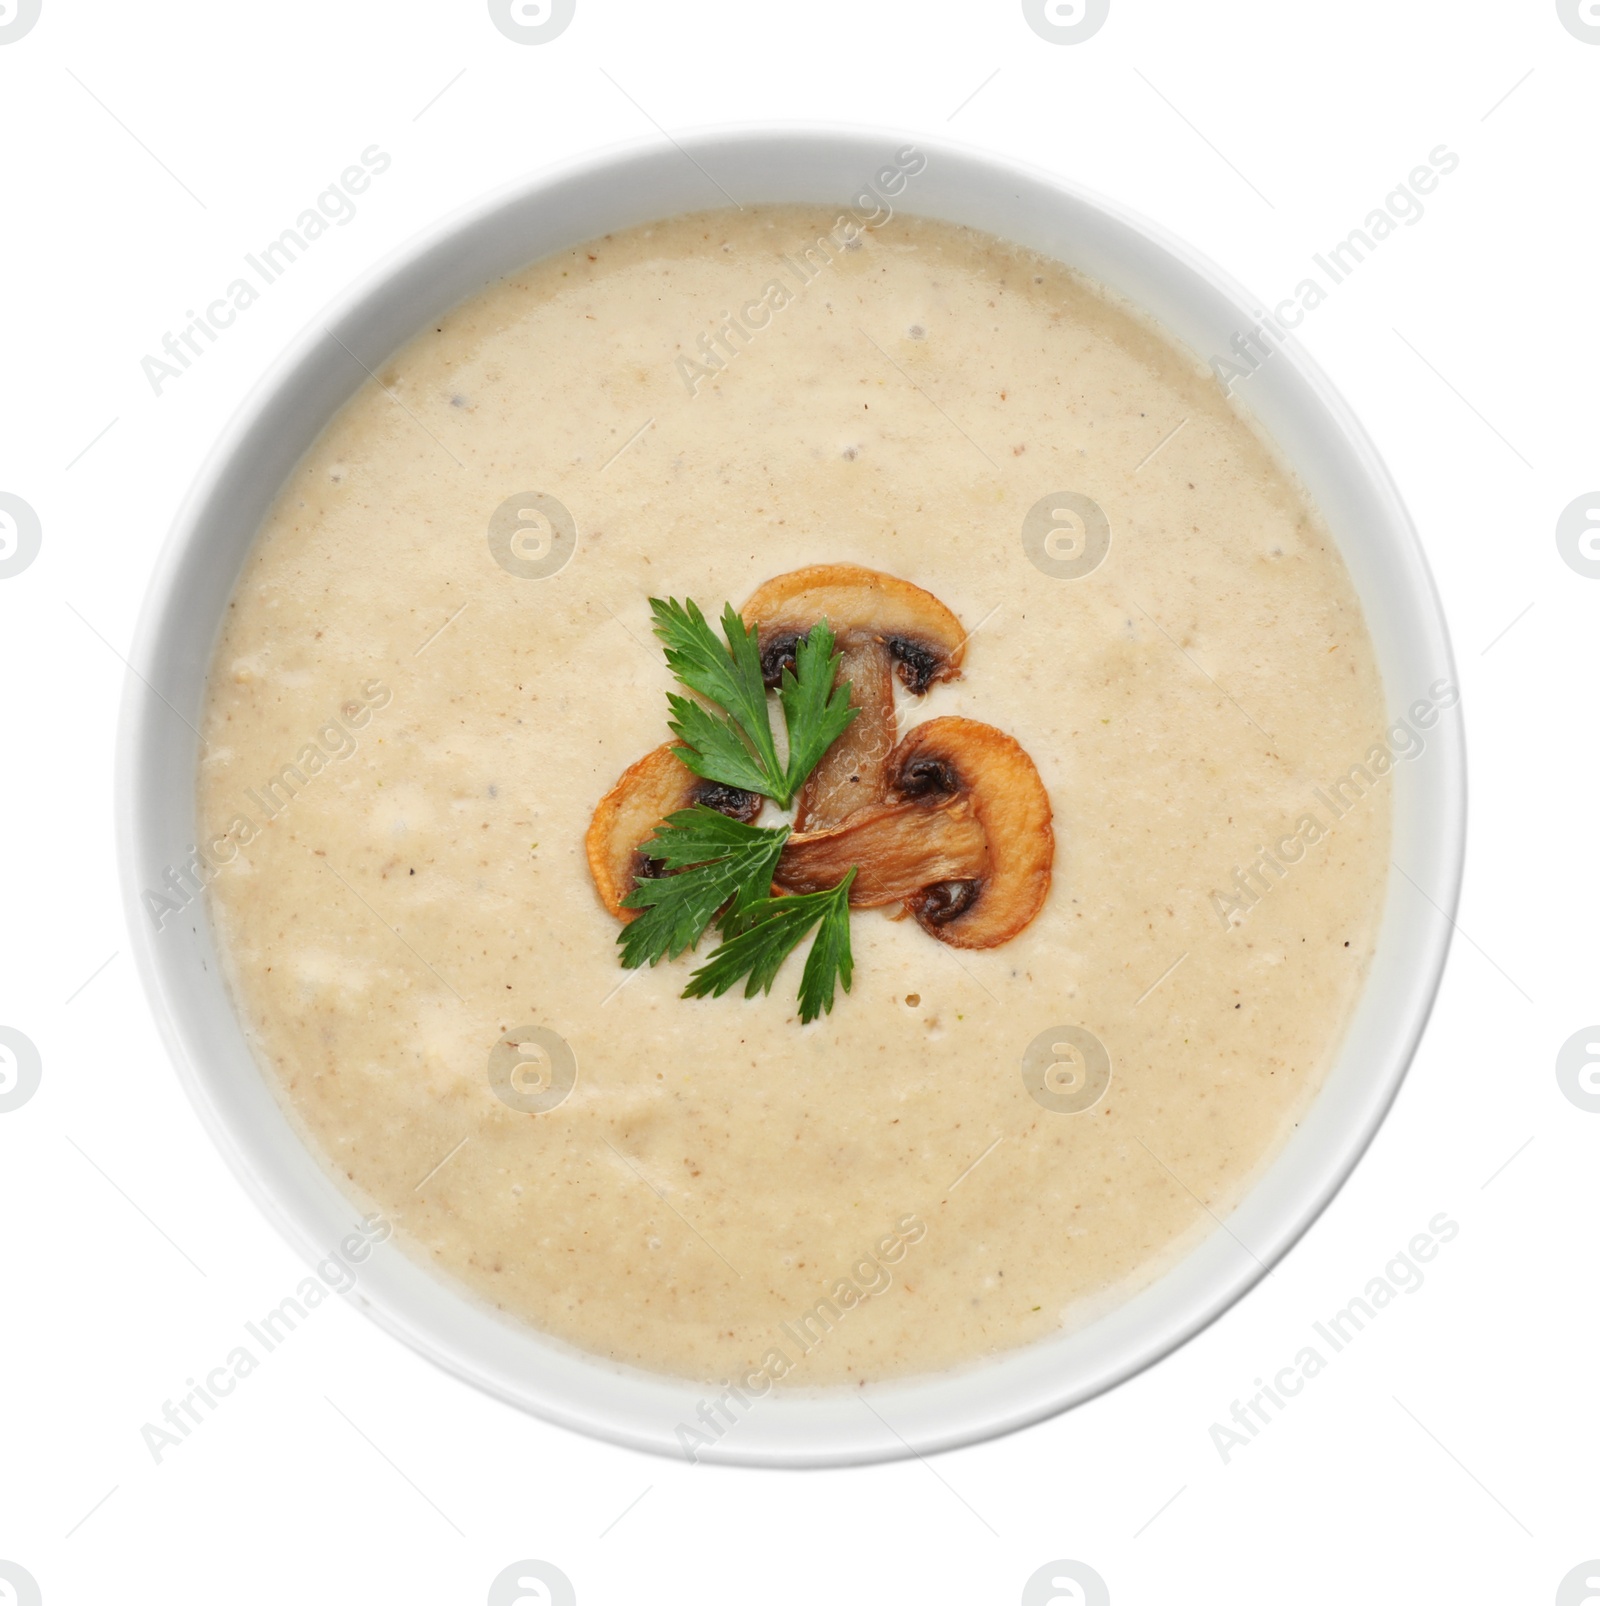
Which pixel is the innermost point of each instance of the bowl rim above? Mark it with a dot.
(142, 704)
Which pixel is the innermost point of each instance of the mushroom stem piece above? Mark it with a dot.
(849, 776)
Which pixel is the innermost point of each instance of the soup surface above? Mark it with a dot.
(406, 736)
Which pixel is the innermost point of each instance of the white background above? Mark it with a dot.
(1447, 1454)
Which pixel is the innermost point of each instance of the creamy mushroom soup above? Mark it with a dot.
(439, 660)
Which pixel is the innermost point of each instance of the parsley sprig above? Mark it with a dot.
(718, 870)
(759, 940)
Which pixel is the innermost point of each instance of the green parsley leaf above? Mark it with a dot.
(815, 710)
(713, 747)
(732, 743)
(715, 859)
(760, 937)
(735, 747)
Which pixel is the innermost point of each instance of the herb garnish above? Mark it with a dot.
(719, 870)
(756, 942)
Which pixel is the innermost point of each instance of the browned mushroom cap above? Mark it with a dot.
(963, 840)
(658, 785)
(897, 849)
(883, 626)
(960, 758)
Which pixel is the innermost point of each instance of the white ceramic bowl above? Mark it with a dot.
(1198, 305)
